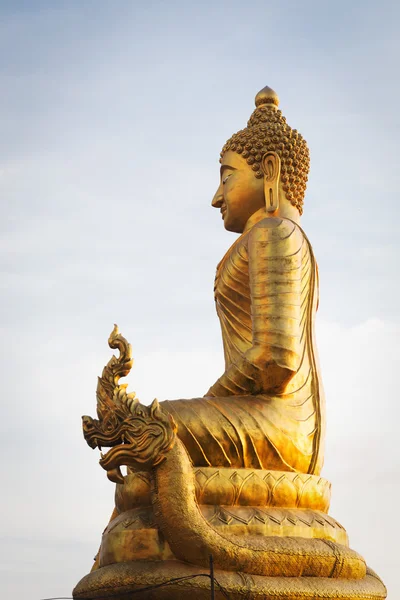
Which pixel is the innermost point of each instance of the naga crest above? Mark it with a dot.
(139, 436)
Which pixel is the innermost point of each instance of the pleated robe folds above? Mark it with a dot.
(266, 294)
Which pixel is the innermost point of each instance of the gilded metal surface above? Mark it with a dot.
(138, 435)
(236, 487)
(266, 297)
(117, 580)
(249, 520)
(234, 474)
(192, 539)
(267, 131)
(150, 443)
(134, 534)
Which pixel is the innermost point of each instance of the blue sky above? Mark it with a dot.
(112, 116)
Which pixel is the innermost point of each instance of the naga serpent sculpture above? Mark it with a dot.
(144, 438)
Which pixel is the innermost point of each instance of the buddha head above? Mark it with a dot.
(264, 167)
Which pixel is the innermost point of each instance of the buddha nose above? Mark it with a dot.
(218, 199)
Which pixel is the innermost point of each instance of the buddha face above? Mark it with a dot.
(240, 194)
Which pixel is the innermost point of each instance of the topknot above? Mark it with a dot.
(268, 131)
(267, 96)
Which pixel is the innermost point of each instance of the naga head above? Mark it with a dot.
(108, 430)
(139, 436)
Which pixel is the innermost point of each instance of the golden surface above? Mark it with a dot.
(268, 278)
(134, 534)
(181, 522)
(234, 474)
(236, 487)
(117, 580)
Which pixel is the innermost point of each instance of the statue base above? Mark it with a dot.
(118, 580)
(135, 558)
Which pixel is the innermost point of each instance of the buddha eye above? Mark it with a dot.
(225, 179)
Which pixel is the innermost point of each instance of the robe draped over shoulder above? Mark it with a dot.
(271, 412)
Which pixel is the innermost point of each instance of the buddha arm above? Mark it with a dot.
(275, 254)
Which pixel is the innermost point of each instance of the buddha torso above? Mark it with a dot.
(266, 294)
(270, 297)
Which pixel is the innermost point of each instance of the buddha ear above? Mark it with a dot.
(271, 166)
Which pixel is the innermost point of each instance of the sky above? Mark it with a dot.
(112, 117)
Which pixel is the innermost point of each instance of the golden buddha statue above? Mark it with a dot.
(266, 410)
(234, 474)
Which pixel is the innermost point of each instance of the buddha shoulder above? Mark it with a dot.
(277, 232)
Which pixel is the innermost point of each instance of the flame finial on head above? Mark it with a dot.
(267, 96)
